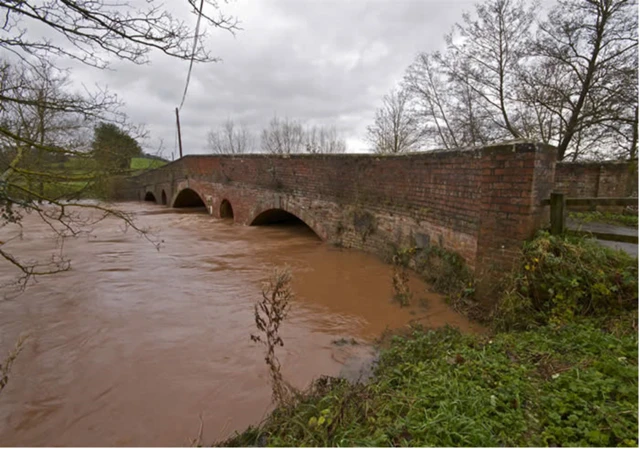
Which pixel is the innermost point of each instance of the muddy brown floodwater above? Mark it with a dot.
(132, 345)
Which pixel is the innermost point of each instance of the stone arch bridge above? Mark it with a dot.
(481, 203)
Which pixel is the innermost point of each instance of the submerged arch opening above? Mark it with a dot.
(188, 198)
(281, 217)
(150, 197)
(226, 211)
(164, 198)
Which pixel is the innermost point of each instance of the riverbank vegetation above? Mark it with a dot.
(269, 314)
(572, 385)
(559, 279)
(558, 368)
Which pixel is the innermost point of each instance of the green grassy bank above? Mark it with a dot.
(559, 368)
(574, 385)
(145, 163)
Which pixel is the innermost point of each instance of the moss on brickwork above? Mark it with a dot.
(364, 223)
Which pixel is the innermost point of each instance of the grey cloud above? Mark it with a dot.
(320, 62)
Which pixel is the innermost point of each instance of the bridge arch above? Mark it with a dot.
(226, 211)
(149, 196)
(188, 198)
(164, 198)
(280, 215)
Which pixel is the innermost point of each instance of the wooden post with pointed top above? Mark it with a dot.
(179, 133)
(558, 207)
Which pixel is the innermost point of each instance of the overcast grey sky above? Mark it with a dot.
(324, 62)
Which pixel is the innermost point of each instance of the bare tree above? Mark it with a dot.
(283, 136)
(229, 139)
(395, 128)
(427, 83)
(591, 46)
(42, 127)
(320, 139)
(574, 85)
(465, 97)
(34, 87)
(483, 55)
(540, 122)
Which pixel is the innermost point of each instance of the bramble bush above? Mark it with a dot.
(560, 278)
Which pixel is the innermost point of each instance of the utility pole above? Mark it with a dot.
(179, 134)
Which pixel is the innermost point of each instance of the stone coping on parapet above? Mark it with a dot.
(597, 163)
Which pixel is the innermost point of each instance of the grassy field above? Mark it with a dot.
(78, 178)
(143, 163)
(83, 166)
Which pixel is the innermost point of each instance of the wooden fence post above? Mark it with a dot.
(558, 206)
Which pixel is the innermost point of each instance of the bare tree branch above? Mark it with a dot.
(229, 139)
(395, 128)
(96, 29)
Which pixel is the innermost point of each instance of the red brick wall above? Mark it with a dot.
(514, 182)
(481, 203)
(596, 179)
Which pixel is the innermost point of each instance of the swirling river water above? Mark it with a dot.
(139, 347)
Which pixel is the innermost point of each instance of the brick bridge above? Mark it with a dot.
(481, 203)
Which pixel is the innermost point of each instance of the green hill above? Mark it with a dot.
(146, 163)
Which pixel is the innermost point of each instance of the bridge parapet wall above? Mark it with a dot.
(481, 203)
(597, 179)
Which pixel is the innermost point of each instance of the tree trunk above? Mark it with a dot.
(586, 86)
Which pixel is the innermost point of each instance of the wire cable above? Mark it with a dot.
(193, 53)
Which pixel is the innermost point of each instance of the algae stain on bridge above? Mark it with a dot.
(133, 344)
